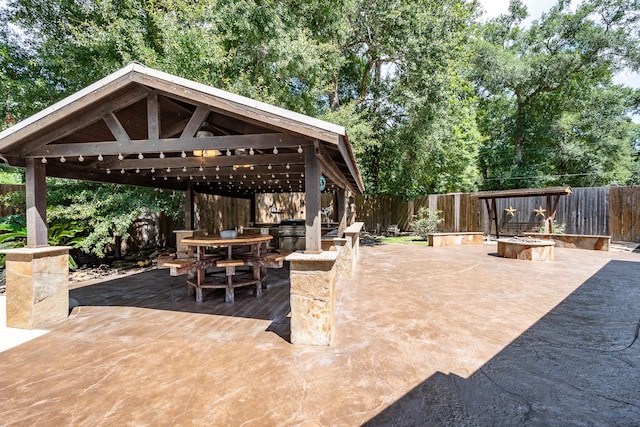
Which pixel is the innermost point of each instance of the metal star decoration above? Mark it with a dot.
(511, 211)
(540, 211)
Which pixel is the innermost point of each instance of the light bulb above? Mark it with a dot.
(288, 166)
(178, 178)
(191, 177)
(217, 168)
(100, 158)
(184, 169)
(80, 158)
(62, 159)
(44, 160)
(168, 169)
(121, 170)
(153, 170)
(161, 155)
(269, 167)
(252, 167)
(108, 171)
(251, 152)
(228, 152)
(137, 170)
(200, 168)
(300, 149)
(120, 156)
(183, 154)
(275, 150)
(140, 156)
(165, 178)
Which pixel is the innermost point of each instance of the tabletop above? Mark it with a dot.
(216, 240)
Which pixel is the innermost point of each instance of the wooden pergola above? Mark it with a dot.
(140, 126)
(551, 194)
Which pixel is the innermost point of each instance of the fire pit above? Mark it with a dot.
(526, 248)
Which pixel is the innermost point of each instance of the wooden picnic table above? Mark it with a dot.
(257, 248)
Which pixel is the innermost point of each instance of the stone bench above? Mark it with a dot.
(452, 239)
(576, 241)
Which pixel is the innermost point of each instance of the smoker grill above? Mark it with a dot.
(291, 233)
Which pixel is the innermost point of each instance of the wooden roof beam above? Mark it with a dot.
(224, 142)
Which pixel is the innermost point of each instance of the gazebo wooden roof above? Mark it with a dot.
(144, 127)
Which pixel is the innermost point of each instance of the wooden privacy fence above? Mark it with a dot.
(612, 211)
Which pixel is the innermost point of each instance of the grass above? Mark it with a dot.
(405, 240)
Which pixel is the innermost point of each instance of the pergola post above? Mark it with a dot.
(36, 192)
(343, 202)
(312, 200)
(189, 211)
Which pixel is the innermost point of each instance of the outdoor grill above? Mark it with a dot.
(291, 233)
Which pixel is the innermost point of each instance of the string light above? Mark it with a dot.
(62, 159)
(228, 152)
(108, 171)
(161, 155)
(80, 158)
(217, 168)
(252, 167)
(191, 177)
(178, 178)
(44, 159)
(140, 156)
(100, 158)
(184, 169)
(168, 169)
(121, 170)
(137, 170)
(183, 154)
(288, 166)
(269, 167)
(300, 149)
(120, 156)
(275, 150)
(251, 152)
(165, 177)
(200, 168)
(153, 170)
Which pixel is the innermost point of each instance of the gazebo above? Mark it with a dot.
(144, 127)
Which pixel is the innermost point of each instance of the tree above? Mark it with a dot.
(535, 83)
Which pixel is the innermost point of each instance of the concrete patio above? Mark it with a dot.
(425, 336)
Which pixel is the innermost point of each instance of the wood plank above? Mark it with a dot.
(80, 120)
(36, 195)
(153, 117)
(168, 145)
(312, 201)
(116, 128)
(206, 162)
(196, 120)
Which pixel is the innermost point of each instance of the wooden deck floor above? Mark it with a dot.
(157, 290)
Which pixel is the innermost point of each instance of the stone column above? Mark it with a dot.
(313, 297)
(37, 286)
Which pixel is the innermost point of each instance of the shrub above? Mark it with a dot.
(426, 222)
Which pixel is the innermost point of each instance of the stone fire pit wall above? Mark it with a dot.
(526, 249)
(37, 286)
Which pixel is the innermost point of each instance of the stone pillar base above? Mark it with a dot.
(313, 297)
(37, 286)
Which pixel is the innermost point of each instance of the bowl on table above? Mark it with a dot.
(229, 234)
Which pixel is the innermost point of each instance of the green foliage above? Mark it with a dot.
(13, 234)
(548, 108)
(558, 228)
(426, 222)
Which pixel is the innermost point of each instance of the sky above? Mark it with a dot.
(494, 8)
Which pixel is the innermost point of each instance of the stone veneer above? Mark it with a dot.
(37, 286)
(576, 241)
(313, 297)
(313, 288)
(452, 239)
(526, 249)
